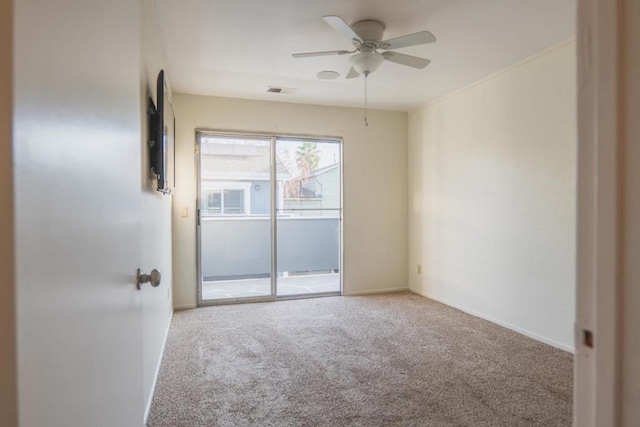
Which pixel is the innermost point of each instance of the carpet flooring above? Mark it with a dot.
(381, 360)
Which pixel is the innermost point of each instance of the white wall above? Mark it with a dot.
(86, 217)
(157, 305)
(375, 183)
(492, 197)
(8, 402)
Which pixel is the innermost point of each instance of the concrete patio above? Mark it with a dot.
(292, 285)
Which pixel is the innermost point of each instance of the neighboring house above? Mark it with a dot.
(236, 179)
(320, 190)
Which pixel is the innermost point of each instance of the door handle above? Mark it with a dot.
(154, 278)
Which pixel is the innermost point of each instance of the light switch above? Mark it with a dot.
(184, 211)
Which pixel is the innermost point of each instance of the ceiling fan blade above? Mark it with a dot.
(423, 37)
(342, 27)
(352, 74)
(408, 60)
(325, 53)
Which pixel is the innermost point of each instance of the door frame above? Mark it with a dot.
(273, 214)
(605, 46)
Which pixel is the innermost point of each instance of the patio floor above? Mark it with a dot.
(292, 285)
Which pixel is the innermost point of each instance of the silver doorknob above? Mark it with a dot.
(154, 278)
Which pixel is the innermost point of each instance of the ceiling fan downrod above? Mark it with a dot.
(366, 107)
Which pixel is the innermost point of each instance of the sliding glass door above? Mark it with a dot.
(308, 217)
(235, 230)
(269, 217)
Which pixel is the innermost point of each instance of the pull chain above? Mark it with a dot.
(366, 123)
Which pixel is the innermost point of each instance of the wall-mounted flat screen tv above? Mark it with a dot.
(158, 136)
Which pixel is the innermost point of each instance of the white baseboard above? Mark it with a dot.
(376, 291)
(185, 306)
(155, 376)
(521, 331)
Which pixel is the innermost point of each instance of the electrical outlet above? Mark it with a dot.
(419, 269)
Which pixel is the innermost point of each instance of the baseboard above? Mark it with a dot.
(376, 291)
(155, 377)
(184, 306)
(521, 331)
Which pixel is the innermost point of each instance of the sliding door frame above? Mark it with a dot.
(200, 132)
(197, 154)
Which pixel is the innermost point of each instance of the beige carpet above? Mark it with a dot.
(384, 360)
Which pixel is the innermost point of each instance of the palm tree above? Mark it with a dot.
(307, 158)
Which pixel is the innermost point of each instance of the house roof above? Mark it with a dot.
(238, 159)
(324, 169)
(319, 171)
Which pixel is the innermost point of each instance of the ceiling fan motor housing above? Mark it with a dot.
(369, 30)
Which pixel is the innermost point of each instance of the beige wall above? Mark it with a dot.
(375, 183)
(492, 197)
(8, 407)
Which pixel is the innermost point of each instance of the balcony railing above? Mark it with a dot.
(240, 247)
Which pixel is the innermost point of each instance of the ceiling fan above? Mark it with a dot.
(366, 37)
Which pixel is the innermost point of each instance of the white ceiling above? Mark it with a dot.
(237, 48)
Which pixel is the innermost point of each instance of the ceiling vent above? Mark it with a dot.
(283, 90)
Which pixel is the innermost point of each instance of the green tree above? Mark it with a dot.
(307, 158)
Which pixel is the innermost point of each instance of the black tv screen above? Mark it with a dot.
(158, 136)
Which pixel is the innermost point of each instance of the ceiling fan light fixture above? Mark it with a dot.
(366, 62)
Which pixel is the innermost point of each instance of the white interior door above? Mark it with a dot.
(77, 162)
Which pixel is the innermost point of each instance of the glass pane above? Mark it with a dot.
(308, 217)
(235, 227)
(212, 203)
(234, 201)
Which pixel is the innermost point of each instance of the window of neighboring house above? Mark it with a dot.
(225, 202)
(233, 201)
(214, 202)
